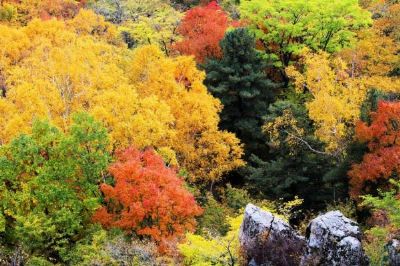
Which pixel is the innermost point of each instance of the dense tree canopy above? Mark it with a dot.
(142, 22)
(122, 89)
(299, 164)
(336, 98)
(204, 151)
(133, 132)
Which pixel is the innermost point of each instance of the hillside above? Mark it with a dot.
(136, 132)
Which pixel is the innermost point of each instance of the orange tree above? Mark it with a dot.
(147, 199)
(382, 136)
(202, 29)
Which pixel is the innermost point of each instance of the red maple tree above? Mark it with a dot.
(202, 28)
(383, 138)
(147, 199)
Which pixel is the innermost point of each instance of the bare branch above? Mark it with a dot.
(307, 144)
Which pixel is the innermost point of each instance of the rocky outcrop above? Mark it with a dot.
(267, 240)
(393, 248)
(331, 239)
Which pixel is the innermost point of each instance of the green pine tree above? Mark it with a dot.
(240, 82)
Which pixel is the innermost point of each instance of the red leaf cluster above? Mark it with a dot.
(147, 199)
(383, 138)
(202, 29)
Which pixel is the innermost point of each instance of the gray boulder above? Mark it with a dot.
(267, 240)
(393, 248)
(333, 239)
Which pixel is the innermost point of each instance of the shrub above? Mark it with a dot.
(236, 198)
(214, 219)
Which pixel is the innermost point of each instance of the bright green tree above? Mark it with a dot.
(49, 186)
(387, 201)
(284, 27)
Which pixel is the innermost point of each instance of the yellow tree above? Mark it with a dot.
(205, 152)
(339, 83)
(336, 98)
(375, 57)
(67, 72)
(88, 23)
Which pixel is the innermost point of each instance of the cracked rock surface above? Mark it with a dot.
(394, 252)
(268, 240)
(333, 239)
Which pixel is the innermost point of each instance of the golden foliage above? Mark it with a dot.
(286, 123)
(337, 97)
(53, 69)
(202, 149)
(373, 59)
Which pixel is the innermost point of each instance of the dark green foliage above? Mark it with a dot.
(313, 176)
(49, 186)
(239, 81)
(236, 198)
(128, 39)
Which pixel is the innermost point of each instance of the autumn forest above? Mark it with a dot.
(134, 132)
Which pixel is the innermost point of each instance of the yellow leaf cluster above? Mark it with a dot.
(337, 97)
(372, 59)
(202, 149)
(286, 125)
(88, 23)
(220, 250)
(339, 83)
(54, 68)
